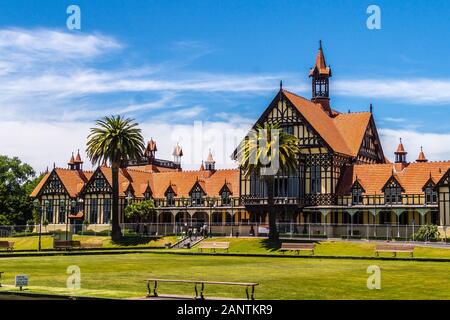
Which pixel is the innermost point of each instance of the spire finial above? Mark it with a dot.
(320, 44)
(371, 108)
(281, 85)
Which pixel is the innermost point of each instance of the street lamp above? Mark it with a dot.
(37, 206)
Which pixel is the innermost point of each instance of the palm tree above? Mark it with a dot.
(263, 148)
(115, 140)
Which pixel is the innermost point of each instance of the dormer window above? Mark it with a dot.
(170, 197)
(197, 196)
(393, 195)
(430, 195)
(147, 195)
(357, 193)
(392, 192)
(225, 196)
(357, 197)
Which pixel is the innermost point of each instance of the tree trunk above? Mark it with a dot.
(273, 231)
(116, 232)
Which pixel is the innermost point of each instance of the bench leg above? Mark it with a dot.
(201, 291)
(155, 294)
(312, 252)
(395, 254)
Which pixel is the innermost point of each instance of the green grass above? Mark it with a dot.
(31, 242)
(323, 248)
(289, 278)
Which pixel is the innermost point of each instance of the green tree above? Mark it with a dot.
(17, 180)
(140, 211)
(268, 146)
(115, 140)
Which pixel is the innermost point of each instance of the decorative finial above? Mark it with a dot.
(371, 108)
(281, 85)
(400, 140)
(320, 44)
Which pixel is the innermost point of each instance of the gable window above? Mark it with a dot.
(316, 180)
(197, 196)
(357, 197)
(430, 195)
(170, 198)
(147, 194)
(393, 195)
(357, 194)
(99, 183)
(225, 196)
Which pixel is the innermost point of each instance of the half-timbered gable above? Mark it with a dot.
(97, 184)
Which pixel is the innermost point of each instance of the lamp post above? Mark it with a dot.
(37, 206)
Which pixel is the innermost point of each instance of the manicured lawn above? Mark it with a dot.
(287, 278)
(324, 248)
(31, 243)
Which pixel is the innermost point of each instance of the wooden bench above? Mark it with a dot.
(213, 246)
(247, 285)
(66, 245)
(394, 248)
(7, 245)
(91, 245)
(1, 272)
(291, 246)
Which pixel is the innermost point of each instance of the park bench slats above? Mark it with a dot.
(394, 248)
(63, 244)
(247, 285)
(291, 246)
(8, 245)
(91, 245)
(213, 246)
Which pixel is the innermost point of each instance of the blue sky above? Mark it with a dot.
(171, 63)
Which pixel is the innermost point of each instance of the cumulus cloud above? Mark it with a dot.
(436, 145)
(415, 91)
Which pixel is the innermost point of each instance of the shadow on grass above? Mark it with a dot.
(134, 241)
(270, 245)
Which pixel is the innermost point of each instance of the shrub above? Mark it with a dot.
(428, 232)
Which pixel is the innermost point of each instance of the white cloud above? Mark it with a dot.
(436, 145)
(415, 91)
(42, 143)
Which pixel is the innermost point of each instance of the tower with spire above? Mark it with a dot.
(400, 154)
(421, 157)
(210, 164)
(150, 151)
(75, 163)
(320, 75)
(177, 154)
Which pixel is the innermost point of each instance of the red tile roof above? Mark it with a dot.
(373, 177)
(322, 123)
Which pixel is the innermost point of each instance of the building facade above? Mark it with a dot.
(343, 178)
